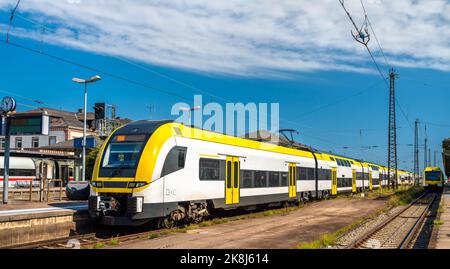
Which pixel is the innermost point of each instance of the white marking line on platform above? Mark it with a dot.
(43, 209)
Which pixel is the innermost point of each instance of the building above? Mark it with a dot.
(63, 126)
(446, 156)
(47, 136)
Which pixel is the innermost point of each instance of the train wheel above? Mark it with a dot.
(166, 223)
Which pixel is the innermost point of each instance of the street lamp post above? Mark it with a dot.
(85, 82)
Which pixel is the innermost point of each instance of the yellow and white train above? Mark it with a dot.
(166, 171)
(434, 178)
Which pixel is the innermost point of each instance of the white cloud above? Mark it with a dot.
(242, 37)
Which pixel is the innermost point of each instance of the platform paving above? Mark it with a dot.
(443, 233)
(15, 209)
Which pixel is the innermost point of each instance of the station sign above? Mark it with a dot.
(29, 125)
(90, 142)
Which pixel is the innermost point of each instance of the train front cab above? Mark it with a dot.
(433, 179)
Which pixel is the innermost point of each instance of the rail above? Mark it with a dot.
(406, 240)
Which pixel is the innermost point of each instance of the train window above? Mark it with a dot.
(175, 160)
(284, 177)
(310, 175)
(211, 169)
(181, 158)
(302, 173)
(20, 172)
(260, 179)
(274, 179)
(247, 179)
(331, 158)
(122, 154)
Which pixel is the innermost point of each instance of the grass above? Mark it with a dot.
(405, 196)
(437, 222)
(441, 209)
(98, 245)
(114, 241)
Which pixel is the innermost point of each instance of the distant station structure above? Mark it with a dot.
(51, 139)
(446, 156)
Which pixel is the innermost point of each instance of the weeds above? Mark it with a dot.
(114, 241)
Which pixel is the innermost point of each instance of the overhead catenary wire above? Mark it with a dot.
(374, 34)
(84, 66)
(371, 54)
(135, 64)
(67, 61)
(165, 76)
(11, 18)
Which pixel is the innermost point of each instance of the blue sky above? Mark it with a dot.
(305, 78)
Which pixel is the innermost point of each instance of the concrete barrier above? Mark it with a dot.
(28, 228)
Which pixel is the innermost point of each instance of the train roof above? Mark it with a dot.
(284, 147)
(432, 168)
(18, 163)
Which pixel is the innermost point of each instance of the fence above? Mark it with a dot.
(42, 192)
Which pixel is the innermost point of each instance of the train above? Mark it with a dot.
(24, 170)
(434, 178)
(167, 172)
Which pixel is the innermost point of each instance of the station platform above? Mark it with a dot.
(443, 232)
(29, 208)
(26, 222)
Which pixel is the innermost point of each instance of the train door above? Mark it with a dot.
(354, 180)
(232, 180)
(333, 181)
(370, 180)
(292, 180)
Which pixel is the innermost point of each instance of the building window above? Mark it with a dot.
(18, 142)
(51, 140)
(2, 143)
(35, 142)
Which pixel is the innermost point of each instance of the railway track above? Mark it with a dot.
(90, 240)
(114, 236)
(399, 231)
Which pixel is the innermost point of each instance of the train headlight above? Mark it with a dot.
(97, 184)
(139, 203)
(136, 184)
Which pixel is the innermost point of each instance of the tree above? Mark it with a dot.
(90, 162)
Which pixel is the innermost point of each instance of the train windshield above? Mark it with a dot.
(434, 175)
(124, 151)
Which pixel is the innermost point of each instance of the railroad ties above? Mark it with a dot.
(401, 230)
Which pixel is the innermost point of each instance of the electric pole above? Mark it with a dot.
(435, 158)
(416, 153)
(392, 139)
(429, 156)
